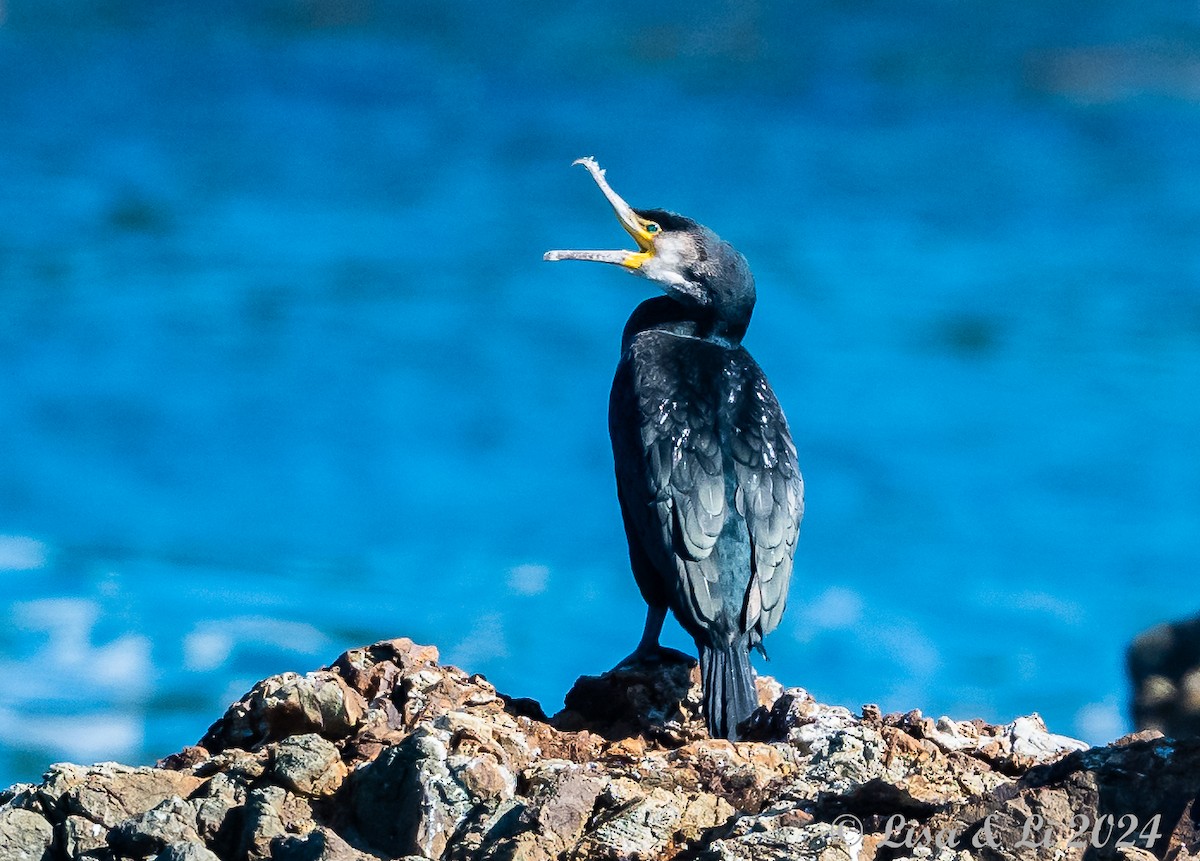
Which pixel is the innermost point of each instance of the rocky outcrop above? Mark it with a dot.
(389, 754)
(1164, 667)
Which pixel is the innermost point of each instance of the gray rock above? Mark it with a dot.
(263, 821)
(406, 802)
(567, 807)
(816, 842)
(23, 796)
(215, 804)
(186, 852)
(24, 835)
(638, 827)
(81, 835)
(308, 764)
(272, 812)
(59, 778)
(172, 821)
(320, 844)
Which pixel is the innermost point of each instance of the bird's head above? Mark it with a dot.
(688, 261)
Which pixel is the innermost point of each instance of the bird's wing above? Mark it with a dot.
(769, 495)
(671, 477)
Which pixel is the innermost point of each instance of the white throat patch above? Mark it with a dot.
(672, 251)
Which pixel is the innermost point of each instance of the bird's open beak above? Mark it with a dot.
(634, 224)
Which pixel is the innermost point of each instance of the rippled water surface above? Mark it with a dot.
(283, 371)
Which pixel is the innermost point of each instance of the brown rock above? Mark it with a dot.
(374, 671)
(440, 766)
(285, 705)
(109, 793)
(701, 813)
(189, 757)
(566, 807)
(628, 749)
(483, 777)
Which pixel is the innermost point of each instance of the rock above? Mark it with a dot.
(407, 802)
(220, 810)
(374, 671)
(638, 827)
(389, 754)
(658, 699)
(272, 812)
(818, 842)
(308, 764)
(24, 835)
(59, 777)
(285, 705)
(1164, 669)
(80, 836)
(190, 756)
(186, 852)
(109, 793)
(21, 795)
(320, 844)
(172, 821)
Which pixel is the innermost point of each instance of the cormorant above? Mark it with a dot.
(707, 479)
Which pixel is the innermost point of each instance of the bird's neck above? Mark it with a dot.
(664, 314)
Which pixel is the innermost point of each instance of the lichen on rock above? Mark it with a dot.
(389, 754)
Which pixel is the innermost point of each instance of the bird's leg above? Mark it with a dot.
(655, 616)
(648, 650)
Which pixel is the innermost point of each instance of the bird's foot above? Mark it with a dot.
(654, 654)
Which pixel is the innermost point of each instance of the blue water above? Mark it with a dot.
(283, 371)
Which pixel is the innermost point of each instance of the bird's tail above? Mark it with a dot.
(728, 688)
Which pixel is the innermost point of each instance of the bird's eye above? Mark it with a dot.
(651, 227)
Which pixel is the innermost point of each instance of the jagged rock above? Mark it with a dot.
(22, 796)
(638, 826)
(320, 844)
(216, 803)
(308, 765)
(389, 754)
(24, 835)
(272, 812)
(108, 793)
(59, 778)
(186, 852)
(80, 836)
(817, 841)
(286, 705)
(657, 699)
(1164, 668)
(171, 821)
(407, 802)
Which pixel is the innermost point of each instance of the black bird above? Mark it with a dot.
(707, 478)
